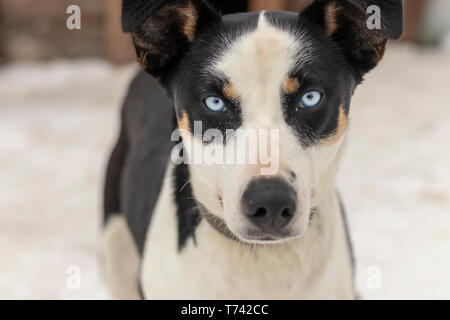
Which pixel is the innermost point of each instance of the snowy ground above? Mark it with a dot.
(59, 120)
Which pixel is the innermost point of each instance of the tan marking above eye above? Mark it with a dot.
(230, 92)
(183, 123)
(340, 129)
(291, 85)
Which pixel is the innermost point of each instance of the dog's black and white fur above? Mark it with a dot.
(179, 231)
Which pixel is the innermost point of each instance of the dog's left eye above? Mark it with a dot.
(311, 99)
(214, 104)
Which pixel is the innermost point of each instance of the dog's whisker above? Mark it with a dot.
(184, 185)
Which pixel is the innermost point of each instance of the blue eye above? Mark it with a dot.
(311, 99)
(214, 104)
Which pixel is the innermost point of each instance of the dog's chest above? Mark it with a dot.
(215, 267)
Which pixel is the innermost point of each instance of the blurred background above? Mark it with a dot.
(60, 96)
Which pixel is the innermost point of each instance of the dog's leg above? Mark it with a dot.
(121, 259)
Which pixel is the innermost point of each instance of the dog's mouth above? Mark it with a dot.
(256, 237)
(250, 236)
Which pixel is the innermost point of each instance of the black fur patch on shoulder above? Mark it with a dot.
(188, 216)
(147, 114)
(116, 163)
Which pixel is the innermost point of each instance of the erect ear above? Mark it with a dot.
(162, 29)
(360, 27)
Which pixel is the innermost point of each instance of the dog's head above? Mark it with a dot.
(262, 99)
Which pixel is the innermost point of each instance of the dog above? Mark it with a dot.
(197, 230)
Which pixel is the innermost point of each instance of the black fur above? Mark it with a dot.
(188, 215)
(138, 164)
(135, 12)
(391, 15)
(111, 195)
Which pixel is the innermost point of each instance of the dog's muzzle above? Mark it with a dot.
(269, 206)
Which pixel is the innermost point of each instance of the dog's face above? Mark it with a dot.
(262, 101)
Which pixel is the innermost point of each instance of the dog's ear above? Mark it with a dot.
(360, 27)
(162, 29)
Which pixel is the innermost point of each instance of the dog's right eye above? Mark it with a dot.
(311, 99)
(214, 104)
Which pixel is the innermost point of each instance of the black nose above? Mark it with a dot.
(269, 203)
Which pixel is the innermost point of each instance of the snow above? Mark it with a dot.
(58, 121)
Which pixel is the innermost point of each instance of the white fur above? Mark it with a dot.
(121, 259)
